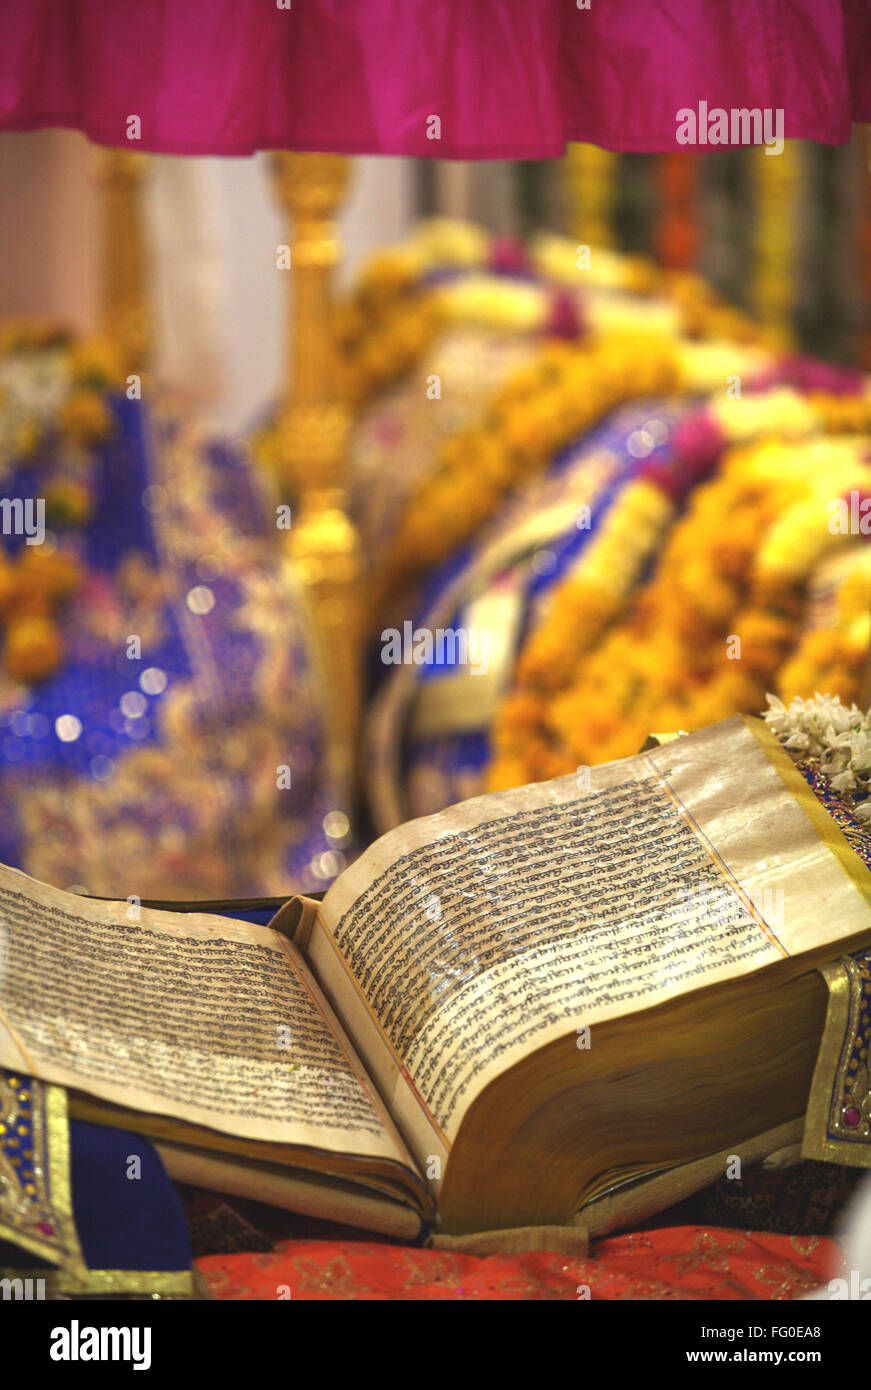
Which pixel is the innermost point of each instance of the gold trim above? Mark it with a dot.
(51, 1133)
(157, 1283)
(154, 1283)
(61, 1189)
(829, 1085)
(834, 839)
(50, 1109)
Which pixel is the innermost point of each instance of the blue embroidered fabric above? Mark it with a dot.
(151, 763)
(448, 767)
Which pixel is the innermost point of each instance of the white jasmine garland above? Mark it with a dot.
(832, 735)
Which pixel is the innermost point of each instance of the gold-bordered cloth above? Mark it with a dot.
(838, 1124)
(36, 1206)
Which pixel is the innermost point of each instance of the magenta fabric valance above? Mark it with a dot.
(461, 79)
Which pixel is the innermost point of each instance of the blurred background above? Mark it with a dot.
(592, 412)
(794, 248)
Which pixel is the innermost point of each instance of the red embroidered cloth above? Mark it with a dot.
(683, 1262)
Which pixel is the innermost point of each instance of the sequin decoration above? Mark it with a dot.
(856, 832)
(838, 1125)
(35, 1210)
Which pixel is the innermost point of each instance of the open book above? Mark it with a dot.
(506, 1014)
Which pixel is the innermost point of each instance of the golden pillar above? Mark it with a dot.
(591, 181)
(323, 545)
(775, 242)
(125, 314)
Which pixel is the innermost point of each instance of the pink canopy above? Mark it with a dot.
(504, 78)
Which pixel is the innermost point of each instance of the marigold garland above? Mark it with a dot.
(53, 393)
(539, 411)
(834, 654)
(733, 567)
(557, 398)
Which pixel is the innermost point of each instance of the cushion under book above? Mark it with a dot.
(518, 1012)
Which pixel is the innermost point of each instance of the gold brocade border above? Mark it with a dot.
(828, 1088)
(820, 819)
(51, 1131)
(149, 1283)
(73, 1276)
(826, 1135)
(166, 1283)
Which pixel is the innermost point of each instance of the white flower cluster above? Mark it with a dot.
(33, 387)
(838, 739)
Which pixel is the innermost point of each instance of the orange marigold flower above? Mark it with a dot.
(85, 417)
(32, 650)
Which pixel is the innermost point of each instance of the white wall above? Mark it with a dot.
(379, 210)
(213, 225)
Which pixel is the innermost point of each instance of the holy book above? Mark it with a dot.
(512, 1013)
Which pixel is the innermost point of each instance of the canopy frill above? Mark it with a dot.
(457, 79)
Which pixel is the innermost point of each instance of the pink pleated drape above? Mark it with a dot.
(504, 78)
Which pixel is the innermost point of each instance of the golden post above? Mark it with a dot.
(125, 314)
(591, 183)
(323, 545)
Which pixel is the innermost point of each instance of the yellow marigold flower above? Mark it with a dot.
(23, 335)
(451, 240)
(731, 547)
(379, 358)
(522, 711)
(643, 276)
(857, 634)
(708, 598)
(96, 362)
(67, 503)
(27, 439)
(53, 576)
(739, 691)
(505, 773)
(85, 417)
(490, 299)
(388, 273)
(32, 650)
(549, 661)
(765, 639)
(9, 585)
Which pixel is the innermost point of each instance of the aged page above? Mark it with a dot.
(215, 1022)
(488, 930)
